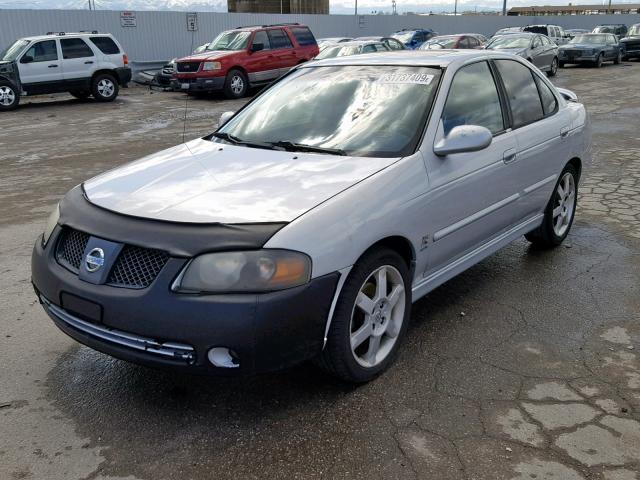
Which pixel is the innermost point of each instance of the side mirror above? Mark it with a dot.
(225, 117)
(256, 47)
(464, 138)
(27, 59)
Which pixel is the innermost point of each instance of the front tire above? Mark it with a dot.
(236, 84)
(370, 318)
(560, 212)
(104, 88)
(9, 97)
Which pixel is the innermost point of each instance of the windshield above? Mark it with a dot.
(435, 43)
(635, 30)
(591, 39)
(536, 29)
(370, 111)
(14, 50)
(603, 29)
(230, 41)
(510, 42)
(404, 37)
(332, 52)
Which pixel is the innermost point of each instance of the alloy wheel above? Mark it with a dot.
(106, 88)
(237, 84)
(7, 96)
(377, 316)
(554, 66)
(564, 204)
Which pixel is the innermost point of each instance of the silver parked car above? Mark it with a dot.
(308, 223)
(346, 49)
(538, 49)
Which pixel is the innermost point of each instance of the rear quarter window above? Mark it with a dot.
(106, 45)
(303, 36)
(526, 106)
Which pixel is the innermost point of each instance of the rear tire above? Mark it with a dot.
(104, 87)
(560, 211)
(554, 68)
(370, 319)
(561, 64)
(9, 97)
(618, 59)
(236, 84)
(600, 60)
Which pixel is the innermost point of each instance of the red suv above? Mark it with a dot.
(244, 57)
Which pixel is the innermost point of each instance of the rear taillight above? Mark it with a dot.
(125, 59)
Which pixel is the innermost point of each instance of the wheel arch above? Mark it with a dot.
(577, 164)
(103, 71)
(399, 244)
(240, 68)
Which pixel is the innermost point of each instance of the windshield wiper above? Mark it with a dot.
(237, 141)
(301, 147)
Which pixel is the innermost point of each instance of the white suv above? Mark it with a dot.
(83, 64)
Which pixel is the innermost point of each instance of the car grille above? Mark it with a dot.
(573, 53)
(187, 67)
(135, 267)
(71, 248)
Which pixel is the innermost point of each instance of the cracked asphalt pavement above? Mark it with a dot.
(524, 367)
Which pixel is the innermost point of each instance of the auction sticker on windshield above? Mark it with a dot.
(407, 78)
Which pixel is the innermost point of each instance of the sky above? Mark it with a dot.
(337, 6)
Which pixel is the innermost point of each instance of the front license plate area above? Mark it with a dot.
(81, 307)
(184, 86)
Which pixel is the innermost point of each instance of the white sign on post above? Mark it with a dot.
(128, 19)
(192, 22)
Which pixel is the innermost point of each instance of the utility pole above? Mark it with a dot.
(356, 7)
(455, 8)
(504, 8)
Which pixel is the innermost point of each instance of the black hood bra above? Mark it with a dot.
(178, 239)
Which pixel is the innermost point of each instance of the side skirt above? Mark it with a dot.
(463, 263)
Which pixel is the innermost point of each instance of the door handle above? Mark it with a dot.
(564, 132)
(89, 62)
(509, 155)
(53, 66)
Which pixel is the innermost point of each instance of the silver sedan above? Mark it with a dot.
(536, 48)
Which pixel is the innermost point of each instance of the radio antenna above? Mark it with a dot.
(186, 100)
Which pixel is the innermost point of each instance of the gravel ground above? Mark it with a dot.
(525, 366)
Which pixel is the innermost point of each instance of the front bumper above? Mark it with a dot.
(198, 85)
(156, 327)
(575, 58)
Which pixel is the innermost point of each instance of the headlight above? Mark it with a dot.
(251, 271)
(52, 221)
(208, 66)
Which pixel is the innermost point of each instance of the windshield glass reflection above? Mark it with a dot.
(376, 111)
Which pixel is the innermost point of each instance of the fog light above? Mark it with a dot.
(223, 357)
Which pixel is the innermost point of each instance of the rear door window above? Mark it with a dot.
(75, 48)
(303, 36)
(279, 39)
(521, 91)
(42, 51)
(473, 100)
(106, 45)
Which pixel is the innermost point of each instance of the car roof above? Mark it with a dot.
(66, 35)
(253, 28)
(355, 43)
(422, 58)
